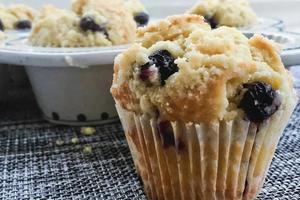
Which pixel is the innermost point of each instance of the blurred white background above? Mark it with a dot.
(287, 10)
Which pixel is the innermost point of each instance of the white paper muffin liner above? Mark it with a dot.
(207, 161)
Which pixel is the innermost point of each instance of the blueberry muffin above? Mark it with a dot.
(202, 108)
(16, 17)
(140, 15)
(116, 20)
(47, 32)
(233, 13)
(90, 23)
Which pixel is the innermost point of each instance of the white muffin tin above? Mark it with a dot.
(74, 95)
(71, 84)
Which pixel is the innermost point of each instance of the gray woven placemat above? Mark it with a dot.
(33, 165)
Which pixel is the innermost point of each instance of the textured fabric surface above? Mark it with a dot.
(38, 160)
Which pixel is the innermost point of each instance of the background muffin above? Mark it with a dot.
(113, 15)
(202, 109)
(47, 32)
(17, 16)
(90, 23)
(234, 13)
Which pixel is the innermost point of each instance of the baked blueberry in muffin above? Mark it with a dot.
(163, 61)
(89, 24)
(141, 18)
(260, 101)
(23, 24)
(1, 25)
(210, 19)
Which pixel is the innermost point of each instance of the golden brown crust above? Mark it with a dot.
(213, 66)
(271, 51)
(203, 103)
(125, 96)
(173, 28)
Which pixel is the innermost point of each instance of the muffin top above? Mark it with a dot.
(90, 23)
(181, 69)
(17, 16)
(233, 13)
(113, 15)
(138, 11)
(47, 32)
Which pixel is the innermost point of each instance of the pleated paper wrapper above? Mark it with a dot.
(207, 161)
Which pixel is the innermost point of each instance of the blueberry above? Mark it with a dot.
(1, 25)
(141, 18)
(167, 137)
(260, 101)
(180, 146)
(211, 21)
(166, 133)
(145, 72)
(163, 60)
(23, 24)
(89, 24)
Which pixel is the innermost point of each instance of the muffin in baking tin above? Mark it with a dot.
(90, 23)
(233, 13)
(68, 88)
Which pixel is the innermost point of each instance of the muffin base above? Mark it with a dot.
(207, 161)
